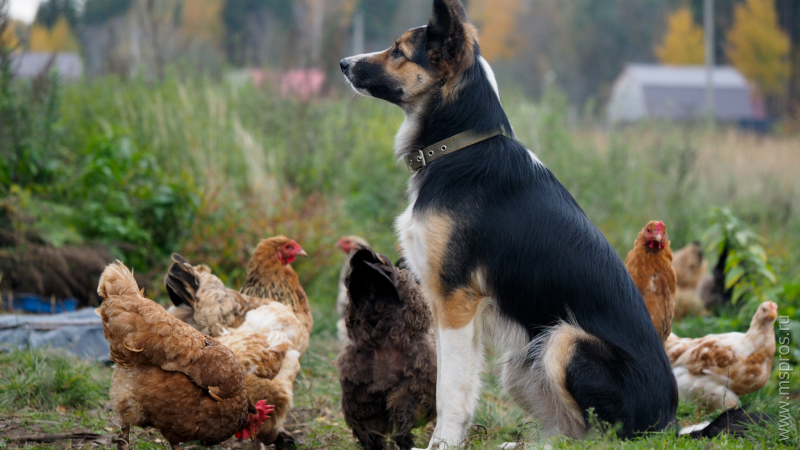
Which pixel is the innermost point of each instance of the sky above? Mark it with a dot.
(24, 10)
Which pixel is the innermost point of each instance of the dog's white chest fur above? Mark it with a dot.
(413, 239)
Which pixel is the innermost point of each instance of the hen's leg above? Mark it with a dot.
(402, 412)
(371, 432)
(122, 440)
(366, 414)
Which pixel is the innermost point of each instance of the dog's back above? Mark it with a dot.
(387, 368)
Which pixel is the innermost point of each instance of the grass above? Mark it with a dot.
(317, 417)
(46, 381)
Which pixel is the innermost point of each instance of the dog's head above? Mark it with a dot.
(423, 61)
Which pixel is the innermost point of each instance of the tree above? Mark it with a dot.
(50, 11)
(249, 24)
(58, 39)
(203, 19)
(758, 47)
(683, 43)
(789, 18)
(8, 36)
(497, 23)
(100, 11)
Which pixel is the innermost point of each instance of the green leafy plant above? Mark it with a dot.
(747, 269)
(124, 198)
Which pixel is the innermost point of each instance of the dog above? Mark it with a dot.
(505, 255)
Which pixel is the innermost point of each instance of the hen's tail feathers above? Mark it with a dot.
(371, 274)
(116, 281)
(735, 421)
(182, 282)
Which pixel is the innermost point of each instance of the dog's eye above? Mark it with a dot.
(398, 53)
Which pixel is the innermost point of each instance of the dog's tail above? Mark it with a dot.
(735, 421)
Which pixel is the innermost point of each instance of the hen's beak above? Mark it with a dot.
(659, 237)
(302, 253)
(773, 311)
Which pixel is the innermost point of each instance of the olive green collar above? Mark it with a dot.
(417, 161)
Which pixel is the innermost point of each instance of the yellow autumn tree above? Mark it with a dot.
(758, 47)
(683, 43)
(203, 19)
(9, 38)
(497, 23)
(58, 39)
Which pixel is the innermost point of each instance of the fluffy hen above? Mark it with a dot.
(690, 267)
(169, 375)
(387, 369)
(717, 369)
(650, 267)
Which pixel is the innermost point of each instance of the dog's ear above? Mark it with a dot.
(451, 38)
(446, 32)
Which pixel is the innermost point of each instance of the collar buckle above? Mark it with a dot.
(416, 162)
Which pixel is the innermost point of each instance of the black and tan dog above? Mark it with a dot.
(505, 255)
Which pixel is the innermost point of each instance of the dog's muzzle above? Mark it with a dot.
(344, 64)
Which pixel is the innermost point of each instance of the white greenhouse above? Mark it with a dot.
(656, 92)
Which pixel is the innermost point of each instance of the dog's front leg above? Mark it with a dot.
(459, 357)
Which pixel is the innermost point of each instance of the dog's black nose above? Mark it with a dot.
(344, 64)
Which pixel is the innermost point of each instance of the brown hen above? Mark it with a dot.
(650, 267)
(387, 369)
(270, 275)
(169, 375)
(690, 266)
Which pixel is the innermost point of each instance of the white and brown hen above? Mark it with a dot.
(717, 369)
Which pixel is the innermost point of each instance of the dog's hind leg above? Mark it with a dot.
(536, 380)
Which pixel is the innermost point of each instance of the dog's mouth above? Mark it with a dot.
(347, 66)
(370, 79)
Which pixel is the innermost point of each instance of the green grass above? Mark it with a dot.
(317, 418)
(45, 380)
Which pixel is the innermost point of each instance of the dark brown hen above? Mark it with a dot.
(388, 367)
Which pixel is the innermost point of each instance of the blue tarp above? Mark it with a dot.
(79, 333)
